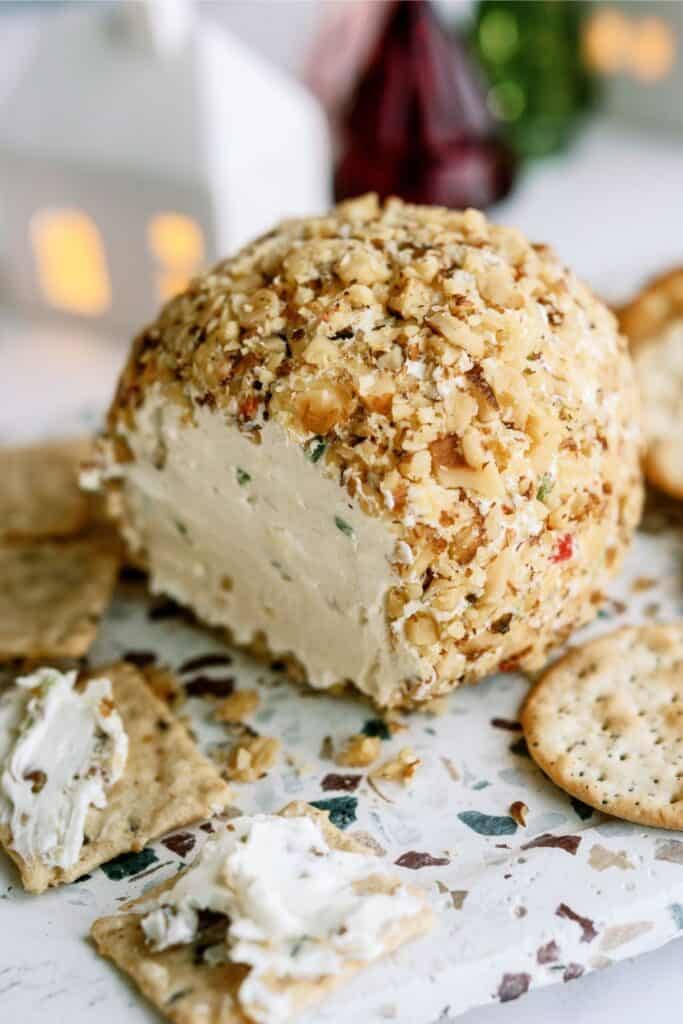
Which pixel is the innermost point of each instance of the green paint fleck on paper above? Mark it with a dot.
(482, 784)
(242, 476)
(376, 727)
(283, 572)
(676, 911)
(489, 824)
(315, 449)
(342, 525)
(128, 864)
(342, 809)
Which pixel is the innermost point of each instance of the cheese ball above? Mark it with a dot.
(397, 445)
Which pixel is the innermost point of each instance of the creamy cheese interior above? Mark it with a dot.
(257, 538)
(60, 750)
(297, 909)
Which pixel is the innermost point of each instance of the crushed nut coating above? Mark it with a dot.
(457, 382)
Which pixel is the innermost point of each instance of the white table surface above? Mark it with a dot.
(613, 208)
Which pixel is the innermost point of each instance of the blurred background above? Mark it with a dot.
(139, 142)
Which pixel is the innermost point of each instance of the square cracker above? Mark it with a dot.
(53, 595)
(167, 783)
(189, 991)
(40, 496)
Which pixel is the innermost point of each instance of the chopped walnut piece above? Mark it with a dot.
(400, 768)
(359, 751)
(237, 706)
(252, 758)
(519, 811)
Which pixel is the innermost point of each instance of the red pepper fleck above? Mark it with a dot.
(564, 550)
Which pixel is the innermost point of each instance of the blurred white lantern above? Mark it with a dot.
(138, 145)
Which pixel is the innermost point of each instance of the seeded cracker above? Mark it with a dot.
(53, 596)
(606, 724)
(653, 322)
(188, 991)
(40, 496)
(167, 783)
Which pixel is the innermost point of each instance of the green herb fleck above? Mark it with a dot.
(181, 528)
(545, 487)
(376, 727)
(283, 572)
(128, 864)
(242, 476)
(315, 449)
(298, 944)
(342, 809)
(342, 525)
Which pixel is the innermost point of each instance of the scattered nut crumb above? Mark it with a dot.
(519, 811)
(252, 758)
(400, 768)
(237, 706)
(641, 583)
(359, 751)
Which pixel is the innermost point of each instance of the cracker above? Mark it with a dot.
(189, 991)
(167, 783)
(653, 322)
(53, 596)
(40, 496)
(605, 723)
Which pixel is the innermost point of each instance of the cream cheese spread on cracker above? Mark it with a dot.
(295, 908)
(60, 751)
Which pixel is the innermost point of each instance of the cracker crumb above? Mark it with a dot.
(359, 751)
(252, 758)
(400, 768)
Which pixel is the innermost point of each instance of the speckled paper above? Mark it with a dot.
(518, 907)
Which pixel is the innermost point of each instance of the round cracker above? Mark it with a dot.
(605, 723)
(653, 322)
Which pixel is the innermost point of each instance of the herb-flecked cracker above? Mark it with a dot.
(653, 322)
(40, 496)
(605, 723)
(53, 595)
(190, 991)
(167, 783)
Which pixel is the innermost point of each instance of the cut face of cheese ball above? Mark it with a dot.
(397, 443)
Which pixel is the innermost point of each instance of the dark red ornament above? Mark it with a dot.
(418, 126)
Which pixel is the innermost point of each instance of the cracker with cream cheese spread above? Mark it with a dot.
(167, 783)
(54, 594)
(190, 990)
(40, 495)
